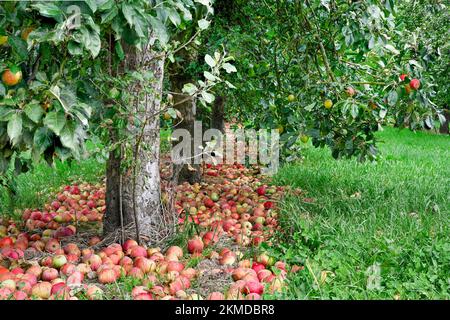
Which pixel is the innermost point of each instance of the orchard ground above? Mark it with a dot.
(364, 231)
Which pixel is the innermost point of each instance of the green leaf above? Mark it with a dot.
(209, 98)
(109, 15)
(186, 13)
(103, 5)
(75, 49)
(119, 50)
(66, 97)
(172, 112)
(50, 10)
(6, 113)
(203, 24)
(392, 49)
(91, 40)
(189, 88)
(160, 30)
(415, 63)
(392, 98)
(174, 16)
(15, 127)
(429, 121)
(68, 138)
(204, 2)
(230, 85)
(41, 76)
(209, 76)
(2, 89)
(42, 139)
(55, 121)
(34, 111)
(19, 46)
(229, 68)
(92, 5)
(128, 13)
(210, 61)
(354, 110)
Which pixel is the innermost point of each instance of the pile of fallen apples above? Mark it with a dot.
(240, 208)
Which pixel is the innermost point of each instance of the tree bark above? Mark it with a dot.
(189, 172)
(141, 195)
(112, 219)
(218, 112)
(444, 127)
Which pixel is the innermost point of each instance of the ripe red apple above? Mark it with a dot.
(195, 245)
(415, 84)
(94, 262)
(107, 276)
(264, 274)
(175, 266)
(68, 269)
(138, 251)
(94, 240)
(20, 295)
(189, 273)
(56, 205)
(128, 244)
(144, 264)
(5, 294)
(261, 190)
(94, 293)
(210, 237)
(229, 258)
(253, 287)
(6, 242)
(75, 278)
(138, 290)
(136, 273)
(17, 270)
(72, 248)
(91, 204)
(258, 266)
(35, 270)
(59, 289)
(350, 91)
(42, 290)
(49, 274)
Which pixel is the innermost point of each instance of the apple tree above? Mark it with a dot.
(93, 69)
(325, 70)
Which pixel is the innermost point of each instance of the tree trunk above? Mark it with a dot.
(141, 201)
(189, 172)
(444, 127)
(112, 219)
(218, 112)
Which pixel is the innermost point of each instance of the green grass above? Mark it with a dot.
(391, 216)
(35, 187)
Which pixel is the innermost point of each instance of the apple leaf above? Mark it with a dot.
(15, 127)
(55, 121)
